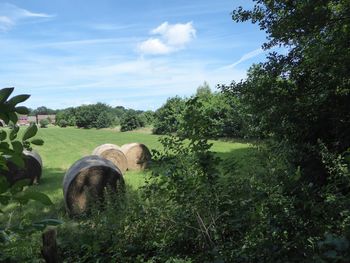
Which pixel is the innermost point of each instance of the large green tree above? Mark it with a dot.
(302, 96)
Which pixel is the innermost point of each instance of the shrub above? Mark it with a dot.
(104, 120)
(93, 116)
(63, 123)
(131, 121)
(43, 123)
(168, 117)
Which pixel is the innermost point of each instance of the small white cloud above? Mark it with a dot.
(172, 38)
(154, 46)
(176, 35)
(10, 15)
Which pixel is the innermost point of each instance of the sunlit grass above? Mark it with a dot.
(64, 146)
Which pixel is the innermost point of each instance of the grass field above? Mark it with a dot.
(64, 146)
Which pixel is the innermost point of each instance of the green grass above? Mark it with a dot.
(64, 146)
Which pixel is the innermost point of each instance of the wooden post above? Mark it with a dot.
(49, 250)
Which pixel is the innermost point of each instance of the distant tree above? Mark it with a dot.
(42, 110)
(203, 90)
(62, 123)
(68, 115)
(104, 120)
(88, 116)
(169, 116)
(43, 123)
(147, 117)
(130, 121)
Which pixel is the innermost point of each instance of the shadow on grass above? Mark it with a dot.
(51, 185)
(242, 161)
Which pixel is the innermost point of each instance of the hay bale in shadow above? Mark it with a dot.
(32, 169)
(112, 153)
(138, 156)
(86, 180)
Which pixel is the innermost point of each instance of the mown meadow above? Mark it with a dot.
(64, 146)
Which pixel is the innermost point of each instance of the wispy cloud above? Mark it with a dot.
(172, 37)
(246, 57)
(111, 27)
(10, 15)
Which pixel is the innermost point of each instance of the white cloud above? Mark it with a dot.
(154, 46)
(10, 15)
(5, 23)
(171, 38)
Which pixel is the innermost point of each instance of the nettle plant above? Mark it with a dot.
(11, 150)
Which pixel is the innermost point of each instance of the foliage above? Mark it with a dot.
(169, 116)
(43, 123)
(213, 115)
(131, 121)
(147, 117)
(63, 123)
(302, 96)
(42, 110)
(216, 115)
(68, 115)
(11, 148)
(93, 116)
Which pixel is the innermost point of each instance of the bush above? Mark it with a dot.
(67, 115)
(169, 117)
(131, 121)
(63, 123)
(94, 116)
(43, 123)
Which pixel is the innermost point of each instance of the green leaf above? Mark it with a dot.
(19, 185)
(4, 200)
(30, 132)
(17, 160)
(22, 110)
(36, 196)
(4, 184)
(4, 146)
(37, 141)
(4, 117)
(18, 99)
(13, 134)
(13, 117)
(3, 135)
(17, 146)
(3, 164)
(5, 93)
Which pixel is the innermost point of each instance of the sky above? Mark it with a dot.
(131, 53)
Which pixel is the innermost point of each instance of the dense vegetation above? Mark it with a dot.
(221, 113)
(290, 205)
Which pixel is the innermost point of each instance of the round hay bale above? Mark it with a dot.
(112, 153)
(138, 156)
(86, 180)
(32, 168)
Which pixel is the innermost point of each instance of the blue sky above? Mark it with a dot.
(133, 53)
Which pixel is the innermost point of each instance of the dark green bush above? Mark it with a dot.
(93, 116)
(131, 121)
(169, 116)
